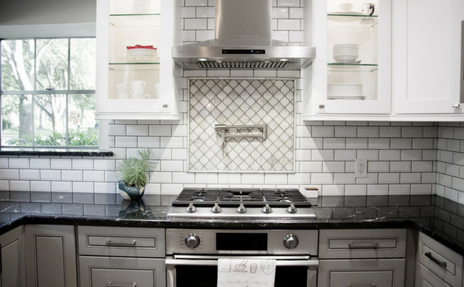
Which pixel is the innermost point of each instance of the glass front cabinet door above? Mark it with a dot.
(135, 78)
(352, 71)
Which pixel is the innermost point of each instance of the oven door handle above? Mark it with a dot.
(208, 261)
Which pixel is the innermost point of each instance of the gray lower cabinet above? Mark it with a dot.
(120, 271)
(365, 272)
(362, 257)
(123, 257)
(50, 256)
(13, 272)
(437, 265)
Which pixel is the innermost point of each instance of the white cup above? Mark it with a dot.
(123, 88)
(368, 8)
(137, 87)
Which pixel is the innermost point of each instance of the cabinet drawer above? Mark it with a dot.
(127, 241)
(440, 260)
(362, 243)
(425, 278)
(364, 272)
(116, 271)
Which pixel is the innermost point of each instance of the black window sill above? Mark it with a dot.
(48, 152)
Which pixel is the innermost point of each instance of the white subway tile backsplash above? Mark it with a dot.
(117, 130)
(410, 178)
(204, 12)
(19, 163)
(389, 178)
(40, 163)
(399, 189)
(288, 24)
(137, 130)
(50, 174)
(82, 164)
(44, 186)
(334, 143)
(61, 186)
(29, 174)
(104, 164)
(153, 188)
(19, 185)
(195, 24)
(297, 13)
(104, 187)
(206, 178)
(377, 189)
(174, 165)
(345, 155)
(71, 175)
(312, 166)
(9, 174)
(94, 176)
(179, 177)
(83, 187)
(355, 189)
(61, 164)
(195, 2)
(4, 163)
(276, 178)
(230, 178)
(171, 188)
(252, 178)
(288, 3)
(368, 132)
(125, 142)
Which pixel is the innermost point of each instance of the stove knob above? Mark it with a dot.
(291, 241)
(241, 208)
(266, 209)
(216, 208)
(291, 209)
(191, 208)
(192, 241)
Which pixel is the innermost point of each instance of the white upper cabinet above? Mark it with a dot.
(135, 70)
(427, 57)
(352, 71)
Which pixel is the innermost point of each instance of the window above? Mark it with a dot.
(48, 93)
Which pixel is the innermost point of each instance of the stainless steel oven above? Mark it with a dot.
(192, 254)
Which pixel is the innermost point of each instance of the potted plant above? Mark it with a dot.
(133, 173)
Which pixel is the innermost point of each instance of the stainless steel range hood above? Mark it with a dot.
(243, 41)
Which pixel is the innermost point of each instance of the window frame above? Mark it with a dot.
(68, 92)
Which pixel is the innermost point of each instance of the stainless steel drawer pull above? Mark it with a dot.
(121, 244)
(362, 285)
(352, 245)
(429, 255)
(110, 284)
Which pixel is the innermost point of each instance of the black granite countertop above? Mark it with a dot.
(440, 218)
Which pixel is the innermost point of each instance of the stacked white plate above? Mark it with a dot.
(344, 91)
(346, 53)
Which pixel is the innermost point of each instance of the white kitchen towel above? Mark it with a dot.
(243, 272)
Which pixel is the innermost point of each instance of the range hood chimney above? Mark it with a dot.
(243, 41)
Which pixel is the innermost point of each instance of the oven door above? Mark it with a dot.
(201, 271)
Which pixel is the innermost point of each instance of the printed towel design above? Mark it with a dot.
(246, 272)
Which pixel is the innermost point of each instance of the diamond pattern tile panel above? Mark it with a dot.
(241, 102)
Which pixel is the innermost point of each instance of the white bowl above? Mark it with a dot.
(345, 58)
(141, 52)
(345, 7)
(344, 89)
(349, 46)
(346, 52)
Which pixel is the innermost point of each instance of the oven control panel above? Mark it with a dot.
(257, 242)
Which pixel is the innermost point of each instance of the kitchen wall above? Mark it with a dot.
(403, 157)
(450, 166)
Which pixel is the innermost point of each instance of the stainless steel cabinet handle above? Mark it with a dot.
(456, 106)
(429, 255)
(121, 244)
(110, 284)
(352, 245)
(361, 285)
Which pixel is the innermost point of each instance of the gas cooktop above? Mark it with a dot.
(241, 202)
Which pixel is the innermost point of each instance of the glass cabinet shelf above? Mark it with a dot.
(134, 63)
(351, 15)
(144, 14)
(353, 64)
